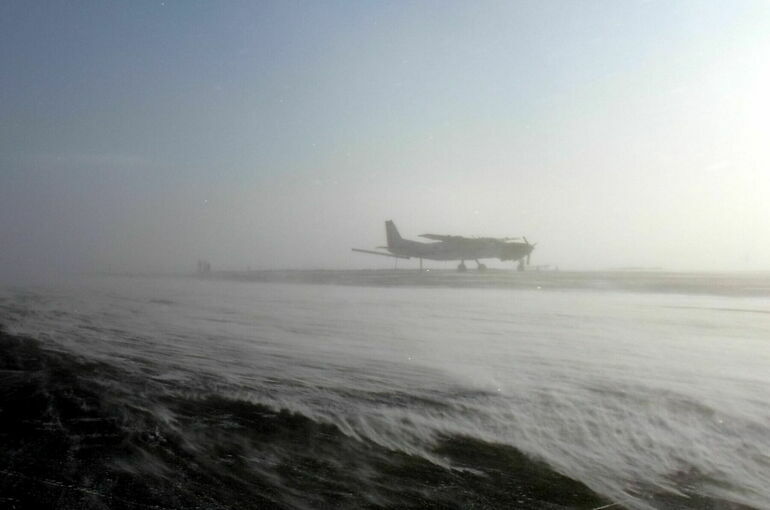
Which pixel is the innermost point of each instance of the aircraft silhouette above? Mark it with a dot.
(450, 247)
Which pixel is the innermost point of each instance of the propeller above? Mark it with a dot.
(531, 247)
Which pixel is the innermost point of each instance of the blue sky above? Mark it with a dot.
(142, 136)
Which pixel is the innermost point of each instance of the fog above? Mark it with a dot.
(142, 137)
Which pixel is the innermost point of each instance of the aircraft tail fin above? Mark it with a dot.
(391, 232)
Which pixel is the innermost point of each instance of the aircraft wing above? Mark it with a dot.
(383, 253)
(439, 237)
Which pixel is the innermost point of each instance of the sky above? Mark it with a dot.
(143, 136)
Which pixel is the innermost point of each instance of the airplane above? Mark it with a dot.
(450, 247)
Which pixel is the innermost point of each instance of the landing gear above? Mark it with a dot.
(521, 265)
(461, 268)
(480, 266)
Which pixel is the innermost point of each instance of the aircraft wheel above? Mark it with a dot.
(461, 268)
(482, 267)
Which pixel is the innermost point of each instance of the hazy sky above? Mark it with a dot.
(142, 136)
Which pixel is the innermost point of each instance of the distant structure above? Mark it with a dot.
(204, 267)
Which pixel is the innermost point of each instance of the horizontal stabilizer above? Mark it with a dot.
(384, 254)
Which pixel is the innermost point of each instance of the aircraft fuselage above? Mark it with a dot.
(455, 247)
(450, 247)
(469, 249)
